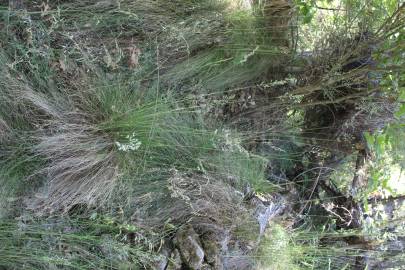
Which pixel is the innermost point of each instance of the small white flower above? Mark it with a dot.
(132, 144)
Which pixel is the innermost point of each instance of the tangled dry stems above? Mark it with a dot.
(82, 167)
(203, 200)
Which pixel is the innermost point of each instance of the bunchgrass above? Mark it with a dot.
(307, 249)
(99, 243)
(241, 52)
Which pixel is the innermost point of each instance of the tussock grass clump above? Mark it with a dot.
(89, 139)
(242, 51)
(276, 252)
(91, 135)
(100, 243)
(62, 134)
(282, 248)
(81, 165)
(17, 162)
(17, 179)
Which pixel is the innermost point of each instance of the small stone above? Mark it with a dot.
(212, 249)
(238, 261)
(207, 267)
(174, 261)
(189, 245)
(163, 261)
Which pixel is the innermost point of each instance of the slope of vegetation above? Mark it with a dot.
(202, 134)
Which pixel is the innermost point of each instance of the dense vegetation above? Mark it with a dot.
(202, 134)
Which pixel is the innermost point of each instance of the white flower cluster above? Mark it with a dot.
(132, 145)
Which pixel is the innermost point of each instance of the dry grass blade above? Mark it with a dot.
(81, 164)
(4, 129)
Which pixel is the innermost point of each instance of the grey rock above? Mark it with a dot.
(188, 243)
(208, 267)
(163, 261)
(174, 261)
(238, 261)
(212, 253)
